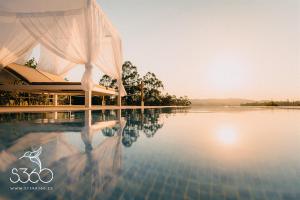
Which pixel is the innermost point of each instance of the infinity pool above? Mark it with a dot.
(159, 154)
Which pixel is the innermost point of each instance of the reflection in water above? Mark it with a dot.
(147, 121)
(227, 135)
(97, 169)
(85, 164)
(78, 172)
(197, 155)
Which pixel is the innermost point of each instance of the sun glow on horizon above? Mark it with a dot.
(227, 74)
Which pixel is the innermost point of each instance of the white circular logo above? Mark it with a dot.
(22, 175)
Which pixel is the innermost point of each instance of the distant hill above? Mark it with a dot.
(220, 102)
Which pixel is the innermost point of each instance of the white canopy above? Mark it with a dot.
(70, 32)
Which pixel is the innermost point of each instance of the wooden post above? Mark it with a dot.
(55, 99)
(119, 100)
(142, 94)
(55, 115)
(119, 97)
(88, 99)
(103, 101)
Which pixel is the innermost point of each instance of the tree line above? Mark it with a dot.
(147, 87)
(273, 103)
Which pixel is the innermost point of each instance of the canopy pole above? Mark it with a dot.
(88, 118)
(88, 99)
(88, 92)
(119, 100)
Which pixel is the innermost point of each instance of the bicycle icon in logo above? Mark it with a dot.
(21, 175)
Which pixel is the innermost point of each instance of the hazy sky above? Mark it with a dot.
(214, 48)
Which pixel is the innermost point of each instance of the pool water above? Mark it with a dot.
(196, 153)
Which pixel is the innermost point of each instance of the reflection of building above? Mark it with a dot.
(84, 152)
(82, 162)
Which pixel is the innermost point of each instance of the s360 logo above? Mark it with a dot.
(23, 175)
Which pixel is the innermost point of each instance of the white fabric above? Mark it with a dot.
(23, 59)
(14, 43)
(111, 55)
(53, 64)
(32, 6)
(70, 31)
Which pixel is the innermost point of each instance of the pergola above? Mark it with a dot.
(70, 33)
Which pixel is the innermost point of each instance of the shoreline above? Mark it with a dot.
(33, 109)
(238, 106)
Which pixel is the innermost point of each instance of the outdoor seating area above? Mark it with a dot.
(15, 77)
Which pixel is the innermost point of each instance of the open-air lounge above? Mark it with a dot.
(15, 77)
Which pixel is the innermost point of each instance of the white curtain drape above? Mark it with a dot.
(14, 43)
(53, 64)
(23, 59)
(35, 6)
(79, 34)
(111, 54)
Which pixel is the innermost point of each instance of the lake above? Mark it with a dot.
(197, 153)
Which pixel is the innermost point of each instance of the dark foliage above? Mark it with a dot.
(152, 89)
(31, 63)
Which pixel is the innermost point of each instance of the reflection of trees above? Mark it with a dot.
(147, 122)
(110, 132)
(151, 123)
(130, 135)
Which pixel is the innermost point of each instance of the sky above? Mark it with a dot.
(213, 48)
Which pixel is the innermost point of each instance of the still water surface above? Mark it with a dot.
(199, 153)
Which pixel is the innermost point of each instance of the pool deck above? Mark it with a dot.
(16, 109)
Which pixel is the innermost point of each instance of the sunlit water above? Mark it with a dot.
(204, 153)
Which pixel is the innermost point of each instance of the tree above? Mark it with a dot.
(31, 63)
(152, 89)
(168, 100)
(107, 81)
(131, 81)
(5, 97)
